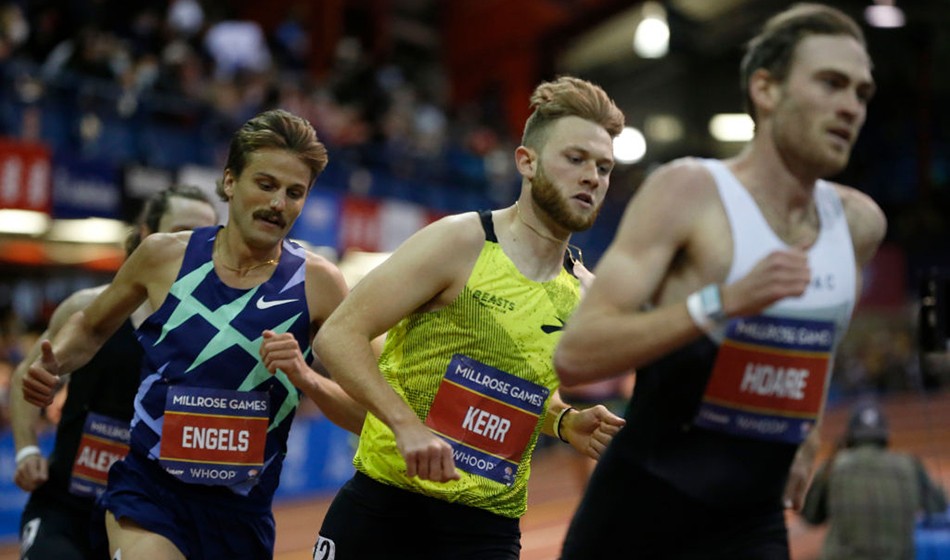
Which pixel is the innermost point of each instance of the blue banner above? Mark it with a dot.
(86, 189)
(319, 223)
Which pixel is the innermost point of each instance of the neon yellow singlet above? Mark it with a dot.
(507, 326)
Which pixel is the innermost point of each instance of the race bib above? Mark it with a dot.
(487, 416)
(214, 436)
(104, 441)
(769, 378)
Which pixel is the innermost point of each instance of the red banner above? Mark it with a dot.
(360, 224)
(25, 182)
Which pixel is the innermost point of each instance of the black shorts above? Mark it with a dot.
(49, 530)
(627, 512)
(368, 519)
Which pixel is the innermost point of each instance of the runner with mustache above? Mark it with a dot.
(211, 416)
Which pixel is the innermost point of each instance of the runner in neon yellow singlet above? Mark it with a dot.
(473, 305)
(442, 370)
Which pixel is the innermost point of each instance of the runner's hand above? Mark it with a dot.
(427, 456)
(42, 379)
(584, 276)
(778, 275)
(589, 431)
(31, 472)
(281, 352)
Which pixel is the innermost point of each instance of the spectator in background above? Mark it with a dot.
(869, 495)
(185, 18)
(14, 29)
(291, 38)
(237, 46)
(225, 69)
(90, 53)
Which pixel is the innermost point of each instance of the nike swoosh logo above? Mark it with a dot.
(548, 329)
(261, 304)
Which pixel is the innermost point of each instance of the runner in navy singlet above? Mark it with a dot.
(211, 418)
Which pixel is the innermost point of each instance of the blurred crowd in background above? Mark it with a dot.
(166, 83)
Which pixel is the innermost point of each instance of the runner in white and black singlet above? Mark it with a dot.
(728, 286)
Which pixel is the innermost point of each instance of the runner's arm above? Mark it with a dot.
(414, 276)
(31, 469)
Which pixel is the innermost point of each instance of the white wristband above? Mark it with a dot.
(694, 304)
(26, 452)
(705, 308)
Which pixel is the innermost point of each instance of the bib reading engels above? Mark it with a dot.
(207, 409)
(740, 400)
(479, 372)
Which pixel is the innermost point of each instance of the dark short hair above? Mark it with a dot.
(773, 48)
(867, 424)
(565, 97)
(275, 129)
(155, 208)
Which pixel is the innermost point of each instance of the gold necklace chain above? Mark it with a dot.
(570, 255)
(244, 271)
